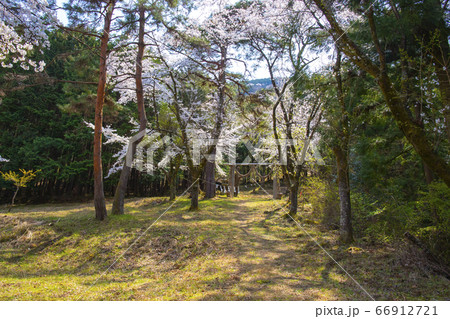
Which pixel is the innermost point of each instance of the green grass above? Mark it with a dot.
(228, 250)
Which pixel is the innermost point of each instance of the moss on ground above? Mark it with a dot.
(231, 249)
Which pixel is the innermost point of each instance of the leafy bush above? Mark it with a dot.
(377, 221)
(432, 219)
(19, 181)
(427, 217)
(324, 199)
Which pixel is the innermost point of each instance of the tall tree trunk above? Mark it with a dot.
(195, 190)
(210, 178)
(99, 196)
(442, 65)
(173, 188)
(293, 198)
(429, 177)
(414, 133)
(231, 180)
(119, 196)
(340, 151)
(346, 233)
(441, 60)
(210, 166)
(172, 176)
(276, 188)
(121, 189)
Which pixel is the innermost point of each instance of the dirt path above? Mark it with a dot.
(272, 259)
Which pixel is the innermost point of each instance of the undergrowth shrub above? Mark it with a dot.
(377, 221)
(427, 217)
(431, 221)
(324, 199)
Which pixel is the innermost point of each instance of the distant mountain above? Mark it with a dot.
(259, 84)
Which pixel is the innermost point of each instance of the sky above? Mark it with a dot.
(61, 14)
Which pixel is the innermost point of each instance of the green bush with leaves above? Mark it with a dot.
(376, 221)
(431, 221)
(19, 181)
(324, 199)
(427, 217)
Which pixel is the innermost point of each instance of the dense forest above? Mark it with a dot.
(338, 111)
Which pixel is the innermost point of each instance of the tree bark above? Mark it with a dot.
(442, 65)
(276, 188)
(119, 196)
(293, 199)
(13, 199)
(340, 151)
(346, 233)
(429, 177)
(413, 132)
(121, 189)
(210, 182)
(99, 196)
(441, 60)
(210, 179)
(173, 188)
(172, 177)
(195, 191)
(231, 180)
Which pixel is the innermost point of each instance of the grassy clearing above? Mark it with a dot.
(228, 250)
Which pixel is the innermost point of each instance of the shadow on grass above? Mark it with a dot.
(227, 250)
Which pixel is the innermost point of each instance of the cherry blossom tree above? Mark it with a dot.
(189, 104)
(209, 44)
(183, 83)
(22, 29)
(279, 35)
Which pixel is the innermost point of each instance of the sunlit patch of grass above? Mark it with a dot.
(230, 249)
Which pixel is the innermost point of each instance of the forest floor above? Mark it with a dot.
(230, 249)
